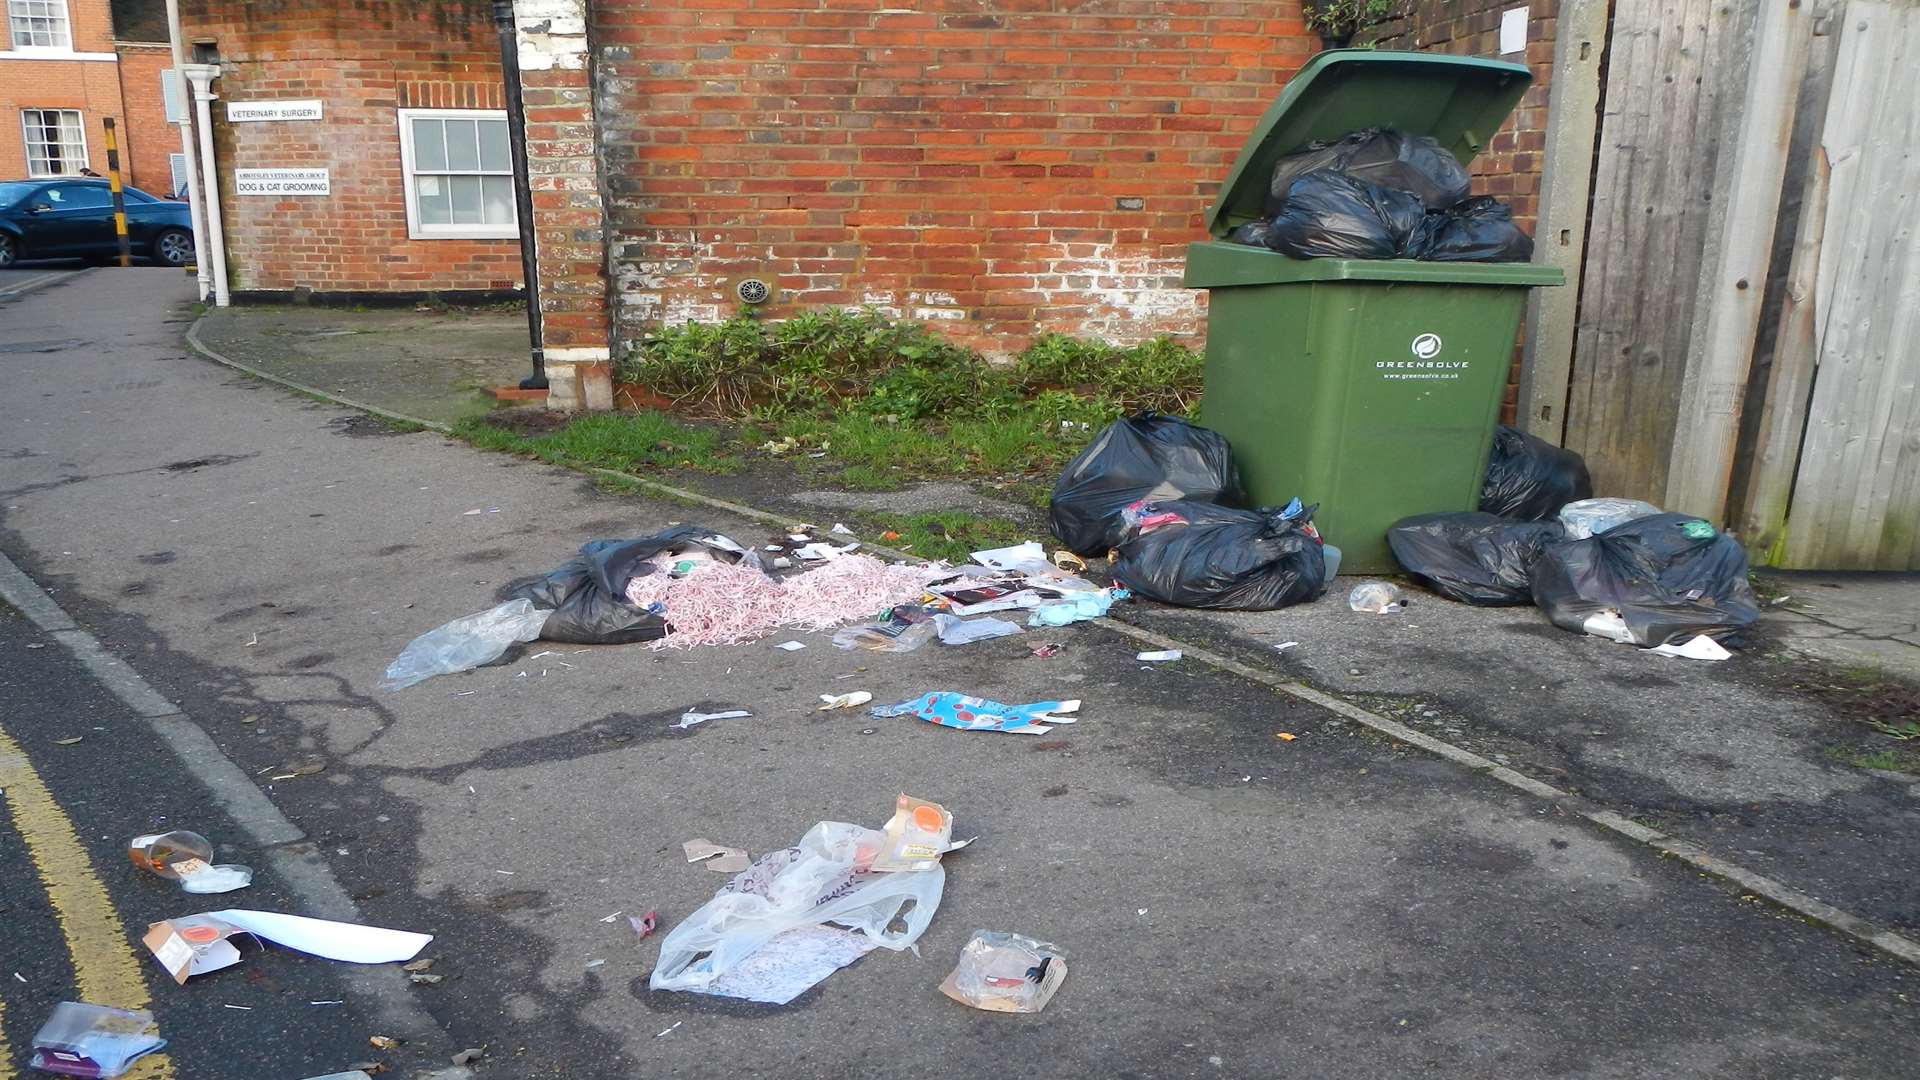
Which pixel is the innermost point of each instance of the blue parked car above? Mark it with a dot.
(72, 218)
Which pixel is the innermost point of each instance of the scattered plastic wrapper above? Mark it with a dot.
(1078, 607)
(643, 925)
(1162, 654)
(93, 1040)
(1012, 558)
(1701, 647)
(850, 700)
(690, 717)
(1001, 972)
(917, 834)
(826, 878)
(954, 630)
(1589, 517)
(187, 857)
(791, 964)
(717, 857)
(465, 643)
(790, 646)
(1048, 651)
(902, 628)
(949, 709)
(1375, 597)
(197, 944)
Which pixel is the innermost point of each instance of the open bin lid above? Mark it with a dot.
(1459, 100)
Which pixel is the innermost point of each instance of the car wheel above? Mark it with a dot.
(173, 247)
(9, 250)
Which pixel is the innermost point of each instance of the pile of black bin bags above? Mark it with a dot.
(1652, 580)
(1381, 194)
(1162, 497)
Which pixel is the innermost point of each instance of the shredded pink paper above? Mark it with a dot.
(725, 604)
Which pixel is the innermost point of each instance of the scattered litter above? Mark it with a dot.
(469, 1055)
(689, 719)
(69, 740)
(1048, 651)
(421, 964)
(421, 978)
(1285, 645)
(949, 709)
(851, 700)
(1375, 597)
(20, 977)
(956, 631)
(1142, 911)
(643, 925)
(1590, 517)
(1701, 647)
(609, 919)
(242, 1008)
(889, 535)
(336, 1001)
(840, 529)
(464, 693)
(1076, 608)
(827, 878)
(1285, 736)
(917, 834)
(1001, 972)
(93, 1040)
(351, 1074)
(595, 965)
(669, 1031)
(1011, 558)
(731, 605)
(37, 645)
(383, 1042)
(186, 857)
(1067, 560)
(718, 857)
(790, 646)
(198, 944)
(1163, 654)
(791, 964)
(465, 643)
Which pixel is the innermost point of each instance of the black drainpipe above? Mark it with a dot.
(522, 187)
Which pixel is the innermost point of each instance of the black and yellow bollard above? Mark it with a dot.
(119, 200)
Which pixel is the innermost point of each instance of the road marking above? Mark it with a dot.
(22, 288)
(105, 969)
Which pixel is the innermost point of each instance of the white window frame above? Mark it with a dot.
(26, 142)
(66, 20)
(417, 231)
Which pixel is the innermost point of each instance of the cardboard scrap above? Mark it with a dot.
(717, 857)
(197, 944)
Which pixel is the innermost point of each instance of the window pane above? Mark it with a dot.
(85, 197)
(494, 153)
(56, 145)
(429, 146)
(39, 24)
(497, 194)
(465, 191)
(463, 147)
(431, 195)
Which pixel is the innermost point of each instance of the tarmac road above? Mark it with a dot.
(1233, 904)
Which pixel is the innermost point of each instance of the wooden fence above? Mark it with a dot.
(1745, 341)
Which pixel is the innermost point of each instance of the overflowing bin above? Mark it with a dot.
(1369, 386)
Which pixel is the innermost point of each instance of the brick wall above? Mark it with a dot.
(145, 137)
(1005, 166)
(1510, 166)
(91, 86)
(364, 59)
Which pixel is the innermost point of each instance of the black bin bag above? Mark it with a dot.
(1330, 215)
(1530, 478)
(1480, 229)
(1220, 557)
(1668, 577)
(1417, 164)
(1146, 456)
(588, 594)
(1472, 557)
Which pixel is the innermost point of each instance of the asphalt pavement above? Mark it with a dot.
(1233, 904)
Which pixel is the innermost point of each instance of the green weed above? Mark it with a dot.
(621, 440)
(944, 534)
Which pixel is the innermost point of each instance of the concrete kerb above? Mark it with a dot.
(193, 340)
(1862, 930)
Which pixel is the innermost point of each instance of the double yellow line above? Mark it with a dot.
(106, 969)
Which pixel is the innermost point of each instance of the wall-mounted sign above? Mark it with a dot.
(243, 111)
(281, 181)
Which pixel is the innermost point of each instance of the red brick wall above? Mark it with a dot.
(91, 86)
(364, 59)
(1014, 166)
(1510, 166)
(146, 138)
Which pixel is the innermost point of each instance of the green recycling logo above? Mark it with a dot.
(1426, 346)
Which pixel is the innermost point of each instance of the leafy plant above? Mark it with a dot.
(1336, 21)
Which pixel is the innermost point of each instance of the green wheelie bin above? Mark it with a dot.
(1368, 386)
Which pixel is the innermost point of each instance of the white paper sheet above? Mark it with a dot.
(1010, 558)
(325, 938)
(1701, 647)
(1513, 30)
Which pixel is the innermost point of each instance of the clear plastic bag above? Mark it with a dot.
(1590, 517)
(93, 1040)
(1375, 598)
(826, 879)
(1002, 972)
(465, 643)
(187, 857)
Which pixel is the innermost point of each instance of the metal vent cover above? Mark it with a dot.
(752, 290)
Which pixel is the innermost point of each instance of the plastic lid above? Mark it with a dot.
(1459, 100)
